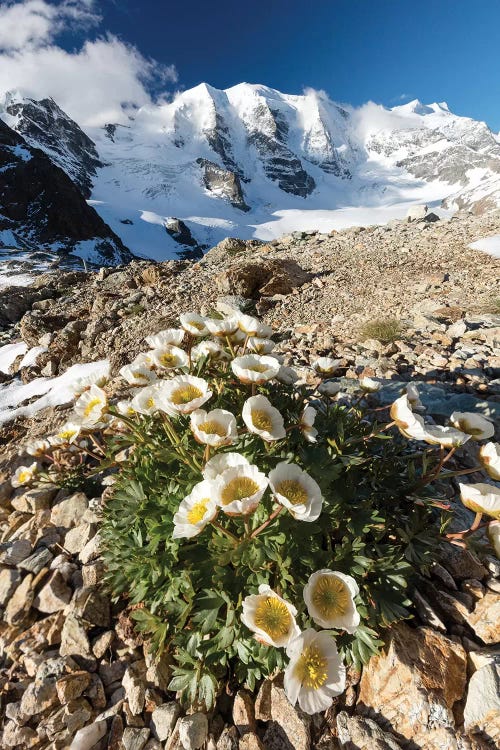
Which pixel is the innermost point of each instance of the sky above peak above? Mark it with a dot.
(97, 56)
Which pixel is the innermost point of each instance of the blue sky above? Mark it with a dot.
(385, 50)
(93, 55)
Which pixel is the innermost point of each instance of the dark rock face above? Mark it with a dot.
(280, 164)
(223, 182)
(44, 125)
(41, 206)
(180, 232)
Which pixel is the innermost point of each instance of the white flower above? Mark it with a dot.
(287, 375)
(223, 327)
(240, 489)
(67, 434)
(255, 369)
(489, 456)
(475, 425)
(315, 673)
(297, 491)
(263, 419)
(137, 374)
(208, 349)
(147, 400)
(91, 405)
(194, 324)
(173, 336)
(329, 597)
(82, 384)
(414, 397)
(329, 388)
(270, 617)
(481, 498)
(23, 475)
(409, 424)
(369, 384)
(125, 408)
(248, 324)
(222, 461)
(215, 428)
(37, 447)
(183, 394)
(196, 510)
(307, 420)
(260, 346)
(448, 437)
(493, 532)
(169, 357)
(326, 365)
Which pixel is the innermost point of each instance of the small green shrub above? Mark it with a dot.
(385, 330)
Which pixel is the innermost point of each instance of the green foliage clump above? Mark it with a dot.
(375, 525)
(385, 330)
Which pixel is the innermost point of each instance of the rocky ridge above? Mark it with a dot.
(75, 671)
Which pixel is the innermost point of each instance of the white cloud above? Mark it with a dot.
(36, 22)
(95, 84)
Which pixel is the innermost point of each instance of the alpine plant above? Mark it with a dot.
(260, 519)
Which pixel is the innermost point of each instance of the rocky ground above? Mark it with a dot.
(73, 669)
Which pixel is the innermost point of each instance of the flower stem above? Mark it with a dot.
(271, 518)
(475, 525)
(227, 533)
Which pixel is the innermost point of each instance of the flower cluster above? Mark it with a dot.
(264, 519)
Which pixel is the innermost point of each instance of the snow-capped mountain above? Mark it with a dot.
(250, 161)
(42, 211)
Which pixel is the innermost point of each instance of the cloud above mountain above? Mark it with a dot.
(98, 82)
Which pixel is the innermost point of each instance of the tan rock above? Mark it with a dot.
(287, 726)
(482, 707)
(72, 685)
(250, 741)
(363, 734)
(20, 602)
(68, 512)
(485, 619)
(244, 712)
(54, 596)
(415, 683)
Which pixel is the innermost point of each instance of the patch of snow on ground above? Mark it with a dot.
(31, 356)
(8, 354)
(21, 279)
(52, 391)
(490, 245)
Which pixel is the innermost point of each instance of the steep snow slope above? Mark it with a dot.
(253, 162)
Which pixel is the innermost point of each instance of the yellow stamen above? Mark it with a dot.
(261, 419)
(91, 405)
(272, 616)
(66, 434)
(330, 596)
(23, 477)
(197, 325)
(150, 403)
(238, 489)
(257, 368)
(293, 491)
(213, 428)
(185, 394)
(167, 359)
(312, 668)
(197, 512)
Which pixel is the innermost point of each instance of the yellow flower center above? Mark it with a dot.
(23, 477)
(213, 428)
(330, 596)
(312, 668)
(238, 489)
(273, 617)
(293, 491)
(185, 394)
(197, 325)
(139, 376)
(261, 419)
(91, 406)
(257, 368)
(197, 512)
(150, 403)
(167, 359)
(67, 434)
